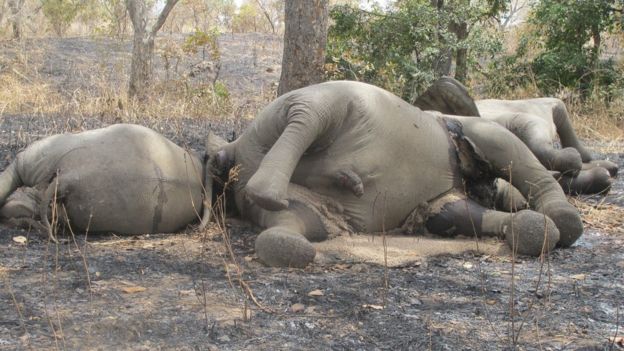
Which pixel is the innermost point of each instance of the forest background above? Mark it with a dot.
(498, 48)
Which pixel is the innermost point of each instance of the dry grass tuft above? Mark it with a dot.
(30, 85)
(601, 216)
(598, 120)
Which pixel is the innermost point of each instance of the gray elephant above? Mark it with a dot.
(538, 123)
(124, 178)
(347, 156)
(317, 162)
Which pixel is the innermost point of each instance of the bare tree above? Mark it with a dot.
(15, 6)
(143, 44)
(515, 11)
(305, 37)
(265, 10)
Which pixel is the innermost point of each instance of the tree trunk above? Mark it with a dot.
(305, 37)
(141, 67)
(143, 45)
(461, 54)
(16, 17)
(442, 65)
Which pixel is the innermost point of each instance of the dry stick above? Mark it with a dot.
(82, 255)
(44, 276)
(617, 326)
(479, 270)
(539, 278)
(220, 221)
(385, 250)
(19, 311)
(537, 331)
(202, 285)
(56, 263)
(514, 249)
(202, 291)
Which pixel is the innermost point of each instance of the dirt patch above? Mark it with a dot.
(184, 292)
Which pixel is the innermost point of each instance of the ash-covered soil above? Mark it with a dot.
(187, 291)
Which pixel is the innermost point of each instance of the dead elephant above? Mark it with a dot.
(347, 156)
(538, 122)
(124, 178)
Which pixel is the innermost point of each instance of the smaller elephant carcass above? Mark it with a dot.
(348, 156)
(539, 123)
(124, 178)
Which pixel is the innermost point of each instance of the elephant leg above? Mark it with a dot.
(448, 96)
(528, 232)
(269, 185)
(513, 161)
(566, 132)
(286, 241)
(533, 131)
(596, 180)
(611, 167)
(9, 182)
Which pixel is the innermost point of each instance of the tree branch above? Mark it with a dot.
(135, 16)
(163, 17)
(266, 14)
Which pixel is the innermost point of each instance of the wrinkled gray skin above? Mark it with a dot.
(538, 123)
(124, 178)
(347, 156)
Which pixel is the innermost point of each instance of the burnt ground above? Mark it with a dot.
(187, 291)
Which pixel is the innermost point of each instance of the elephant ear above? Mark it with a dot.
(213, 167)
(448, 96)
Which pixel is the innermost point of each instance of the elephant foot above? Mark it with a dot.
(595, 180)
(568, 161)
(606, 164)
(566, 218)
(268, 190)
(282, 247)
(532, 234)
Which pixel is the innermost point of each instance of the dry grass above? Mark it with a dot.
(99, 89)
(597, 120)
(601, 216)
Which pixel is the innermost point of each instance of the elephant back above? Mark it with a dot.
(129, 179)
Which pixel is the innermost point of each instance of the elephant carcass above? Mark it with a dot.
(124, 178)
(348, 156)
(539, 123)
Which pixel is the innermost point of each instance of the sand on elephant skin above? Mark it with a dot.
(401, 250)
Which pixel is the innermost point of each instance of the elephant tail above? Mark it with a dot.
(9, 182)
